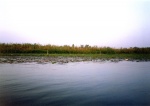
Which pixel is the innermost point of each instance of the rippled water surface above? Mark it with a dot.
(81, 83)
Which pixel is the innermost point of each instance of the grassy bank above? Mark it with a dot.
(92, 56)
(84, 51)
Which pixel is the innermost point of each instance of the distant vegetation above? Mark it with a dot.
(11, 48)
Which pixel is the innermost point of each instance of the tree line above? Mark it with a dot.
(66, 49)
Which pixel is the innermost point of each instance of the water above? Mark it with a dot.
(81, 83)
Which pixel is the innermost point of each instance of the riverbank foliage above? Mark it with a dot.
(26, 48)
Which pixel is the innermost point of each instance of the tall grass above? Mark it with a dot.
(53, 49)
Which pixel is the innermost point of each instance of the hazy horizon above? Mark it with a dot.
(113, 23)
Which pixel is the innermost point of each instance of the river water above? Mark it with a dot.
(79, 83)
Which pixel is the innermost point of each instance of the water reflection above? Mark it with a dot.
(83, 83)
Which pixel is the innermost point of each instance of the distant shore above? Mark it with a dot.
(26, 52)
(66, 58)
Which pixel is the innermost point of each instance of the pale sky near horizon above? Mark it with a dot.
(114, 23)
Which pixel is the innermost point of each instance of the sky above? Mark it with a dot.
(113, 23)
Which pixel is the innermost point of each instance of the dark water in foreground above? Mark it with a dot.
(83, 83)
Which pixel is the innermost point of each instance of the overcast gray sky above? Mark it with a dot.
(114, 23)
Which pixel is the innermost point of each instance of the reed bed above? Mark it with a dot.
(27, 48)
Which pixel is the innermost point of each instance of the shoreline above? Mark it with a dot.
(65, 59)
